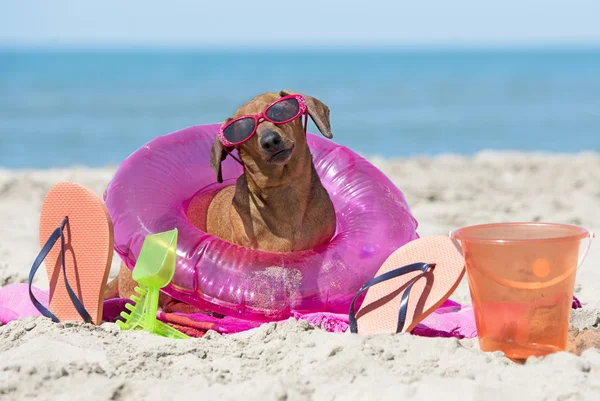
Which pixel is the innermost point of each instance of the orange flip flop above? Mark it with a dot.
(412, 283)
(78, 267)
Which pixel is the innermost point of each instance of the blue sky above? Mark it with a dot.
(312, 23)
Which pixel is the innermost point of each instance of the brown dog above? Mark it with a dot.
(278, 204)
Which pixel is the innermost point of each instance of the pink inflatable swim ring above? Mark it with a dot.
(153, 187)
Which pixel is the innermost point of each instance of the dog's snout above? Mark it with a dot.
(270, 140)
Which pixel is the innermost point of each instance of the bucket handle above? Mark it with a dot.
(591, 235)
(515, 284)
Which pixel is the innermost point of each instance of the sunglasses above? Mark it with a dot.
(281, 111)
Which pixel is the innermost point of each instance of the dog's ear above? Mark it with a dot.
(317, 111)
(217, 155)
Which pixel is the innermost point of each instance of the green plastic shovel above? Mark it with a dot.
(153, 270)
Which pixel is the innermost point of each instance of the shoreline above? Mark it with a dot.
(377, 159)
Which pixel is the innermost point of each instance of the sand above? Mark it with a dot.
(294, 361)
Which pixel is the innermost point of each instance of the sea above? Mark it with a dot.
(94, 107)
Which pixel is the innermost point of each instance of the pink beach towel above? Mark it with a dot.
(15, 302)
(451, 320)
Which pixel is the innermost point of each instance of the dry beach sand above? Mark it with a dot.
(294, 361)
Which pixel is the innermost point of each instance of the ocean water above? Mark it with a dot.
(61, 108)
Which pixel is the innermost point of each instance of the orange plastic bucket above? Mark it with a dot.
(521, 277)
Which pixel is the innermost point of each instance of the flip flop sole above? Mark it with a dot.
(379, 310)
(88, 249)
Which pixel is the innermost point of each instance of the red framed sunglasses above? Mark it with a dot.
(281, 111)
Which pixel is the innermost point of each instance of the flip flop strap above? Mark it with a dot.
(423, 267)
(58, 233)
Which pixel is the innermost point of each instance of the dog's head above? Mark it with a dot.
(273, 144)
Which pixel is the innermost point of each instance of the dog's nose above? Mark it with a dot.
(270, 140)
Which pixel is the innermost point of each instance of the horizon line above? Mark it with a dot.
(417, 47)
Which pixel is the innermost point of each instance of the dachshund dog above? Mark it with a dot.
(279, 203)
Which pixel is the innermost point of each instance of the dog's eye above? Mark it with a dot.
(283, 111)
